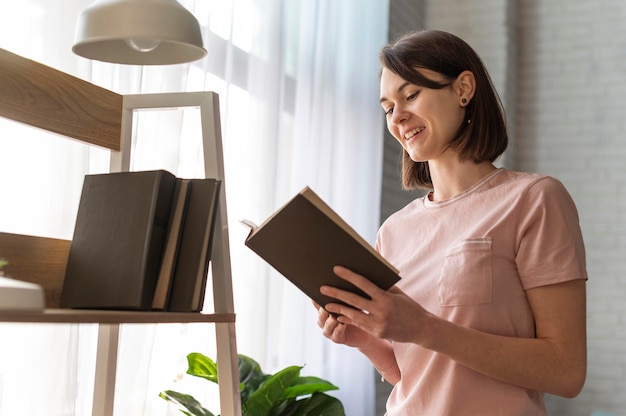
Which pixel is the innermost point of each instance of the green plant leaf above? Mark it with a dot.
(319, 404)
(199, 365)
(247, 366)
(285, 393)
(250, 376)
(272, 392)
(281, 407)
(304, 386)
(187, 404)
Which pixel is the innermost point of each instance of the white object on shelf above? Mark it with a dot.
(16, 295)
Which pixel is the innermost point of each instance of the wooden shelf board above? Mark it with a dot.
(112, 317)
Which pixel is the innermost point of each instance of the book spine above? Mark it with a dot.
(189, 282)
(172, 244)
(165, 186)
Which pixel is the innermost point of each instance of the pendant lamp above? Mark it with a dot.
(140, 32)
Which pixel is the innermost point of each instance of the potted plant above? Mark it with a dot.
(285, 393)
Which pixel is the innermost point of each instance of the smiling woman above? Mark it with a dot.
(482, 109)
(492, 300)
(281, 79)
(440, 115)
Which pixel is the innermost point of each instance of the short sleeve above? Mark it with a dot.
(550, 247)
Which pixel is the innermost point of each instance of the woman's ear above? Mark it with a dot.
(466, 86)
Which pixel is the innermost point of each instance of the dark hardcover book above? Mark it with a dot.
(118, 241)
(172, 244)
(192, 264)
(305, 239)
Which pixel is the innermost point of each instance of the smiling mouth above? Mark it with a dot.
(413, 132)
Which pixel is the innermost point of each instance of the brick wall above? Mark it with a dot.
(560, 67)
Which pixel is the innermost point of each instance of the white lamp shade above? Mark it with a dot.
(141, 32)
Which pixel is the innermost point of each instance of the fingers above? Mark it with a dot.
(331, 327)
(348, 298)
(348, 315)
(357, 280)
(324, 316)
(352, 310)
(355, 303)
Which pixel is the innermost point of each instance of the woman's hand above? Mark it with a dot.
(378, 350)
(388, 314)
(338, 332)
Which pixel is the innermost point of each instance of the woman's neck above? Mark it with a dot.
(451, 179)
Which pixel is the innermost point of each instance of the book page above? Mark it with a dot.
(249, 224)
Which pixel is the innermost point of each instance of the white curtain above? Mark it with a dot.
(298, 94)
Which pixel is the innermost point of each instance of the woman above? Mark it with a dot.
(490, 311)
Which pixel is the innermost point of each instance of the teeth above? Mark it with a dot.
(413, 132)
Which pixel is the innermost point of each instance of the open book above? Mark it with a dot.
(305, 239)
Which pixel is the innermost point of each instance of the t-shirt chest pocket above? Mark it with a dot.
(466, 277)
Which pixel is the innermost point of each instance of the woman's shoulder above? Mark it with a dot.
(404, 214)
(533, 189)
(410, 207)
(530, 181)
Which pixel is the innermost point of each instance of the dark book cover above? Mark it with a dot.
(172, 245)
(118, 241)
(192, 265)
(305, 239)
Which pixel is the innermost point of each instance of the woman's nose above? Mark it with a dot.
(399, 115)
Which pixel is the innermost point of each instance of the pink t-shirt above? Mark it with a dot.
(469, 260)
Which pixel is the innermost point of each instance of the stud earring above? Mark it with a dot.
(463, 100)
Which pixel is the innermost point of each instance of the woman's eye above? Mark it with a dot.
(412, 96)
(388, 111)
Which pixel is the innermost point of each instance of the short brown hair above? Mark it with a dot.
(485, 136)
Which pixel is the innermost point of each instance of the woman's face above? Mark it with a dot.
(423, 120)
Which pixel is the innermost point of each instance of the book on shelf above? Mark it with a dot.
(305, 238)
(130, 236)
(172, 244)
(192, 265)
(118, 240)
